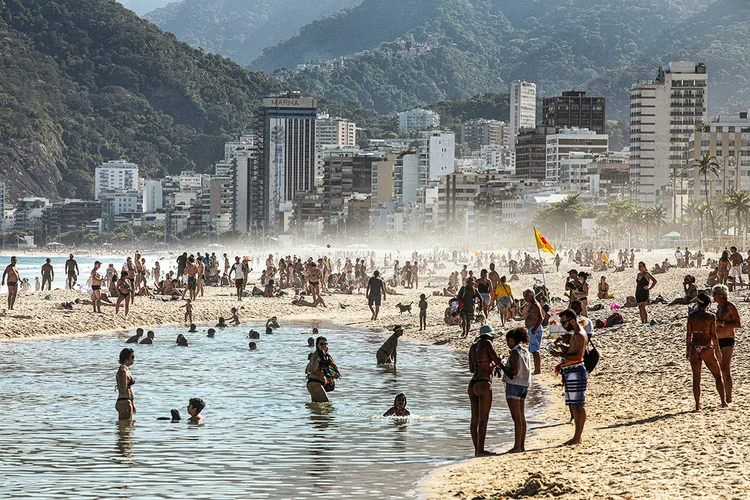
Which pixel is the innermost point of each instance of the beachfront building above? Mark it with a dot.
(382, 184)
(248, 187)
(437, 156)
(70, 215)
(287, 154)
(566, 141)
(115, 176)
(531, 153)
(726, 138)
(663, 115)
(609, 176)
(406, 178)
(417, 119)
(120, 207)
(2, 207)
(338, 132)
(522, 108)
(153, 199)
(482, 132)
(575, 176)
(28, 213)
(574, 109)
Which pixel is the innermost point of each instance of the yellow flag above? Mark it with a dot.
(542, 243)
(477, 253)
(605, 258)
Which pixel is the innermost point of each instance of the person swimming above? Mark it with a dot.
(135, 338)
(252, 334)
(182, 341)
(175, 416)
(310, 342)
(399, 407)
(222, 322)
(211, 333)
(193, 328)
(252, 345)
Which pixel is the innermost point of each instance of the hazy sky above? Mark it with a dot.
(141, 7)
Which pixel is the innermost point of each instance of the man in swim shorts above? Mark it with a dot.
(48, 275)
(71, 271)
(96, 287)
(11, 271)
(574, 374)
(387, 352)
(533, 318)
(239, 279)
(375, 294)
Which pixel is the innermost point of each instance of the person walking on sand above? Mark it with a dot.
(387, 352)
(703, 347)
(192, 274)
(96, 287)
(125, 406)
(517, 378)
(505, 300)
(574, 374)
(727, 319)
(14, 277)
(124, 289)
(48, 275)
(482, 363)
(468, 296)
(375, 293)
(71, 271)
(533, 318)
(422, 312)
(644, 283)
(735, 273)
(321, 372)
(484, 285)
(239, 278)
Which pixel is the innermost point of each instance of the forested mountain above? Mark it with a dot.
(421, 51)
(141, 7)
(241, 29)
(86, 81)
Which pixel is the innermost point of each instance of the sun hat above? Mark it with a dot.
(486, 331)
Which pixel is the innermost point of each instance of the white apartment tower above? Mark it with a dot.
(338, 132)
(567, 141)
(417, 119)
(437, 155)
(522, 108)
(663, 115)
(115, 176)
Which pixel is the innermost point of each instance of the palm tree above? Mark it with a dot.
(739, 203)
(708, 165)
(658, 216)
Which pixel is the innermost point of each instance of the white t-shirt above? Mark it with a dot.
(237, 271)
(586, 324)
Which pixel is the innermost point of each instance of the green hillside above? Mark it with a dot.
(88, 81)
(241, 29)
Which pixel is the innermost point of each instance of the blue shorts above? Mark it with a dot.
(576, 380)
(513, 391)
(535, 339)
(505, 302)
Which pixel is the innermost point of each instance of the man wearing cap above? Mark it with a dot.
(96, 287)
(71, 271)
(574, 374)
(387, 352)
(482, 364)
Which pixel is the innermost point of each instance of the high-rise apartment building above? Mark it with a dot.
(338, 132)
(663, 115)
(574, 109)
(522, 108)
(249, 187)
(417, 119)
(115, 176)
(531, 153)
(481, 132)
(437, 155)
(566, 141)
(288, 153)
(726, 138)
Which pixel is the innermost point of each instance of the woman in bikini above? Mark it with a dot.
(124, 289)
(603, 292)
(125, 406)
(724, 267)
(321, 372)
(703, 347)
(483, 361)
(644, 283)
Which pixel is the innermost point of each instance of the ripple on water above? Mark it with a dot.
(261, 438)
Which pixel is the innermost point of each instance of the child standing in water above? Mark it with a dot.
(422, 312)
(188, 312)
(517, 378)
(399, 407)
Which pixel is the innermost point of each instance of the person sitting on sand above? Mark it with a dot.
(399, 407)
(194, 409)
(135, 338)
(222, 322)
(703, 347)
(517, 378)
(713, 278)
(612, 320)
(691, 292)
(181, 340)
(603, 291)
(482, 363)
(149, 338)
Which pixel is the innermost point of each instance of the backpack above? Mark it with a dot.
(590, 357)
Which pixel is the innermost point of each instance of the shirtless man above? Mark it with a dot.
(482, 363)
(387, 352)
(494, 277)
(375, 293)
(48, 275)
(727, 319)
(533, 318)
(192, 274)
(11, 271)
(96, 287)
(201, 274)
(140, 275)
(71, 271)
(574, 374)
(736, 272)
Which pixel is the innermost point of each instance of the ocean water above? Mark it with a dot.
(261, 437)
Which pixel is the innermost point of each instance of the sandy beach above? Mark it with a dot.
(642, 437)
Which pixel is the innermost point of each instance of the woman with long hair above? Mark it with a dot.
(321, 372)
(724, 266)
(644, 283)
(124, 290)
(125, 406)
(703, 347)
